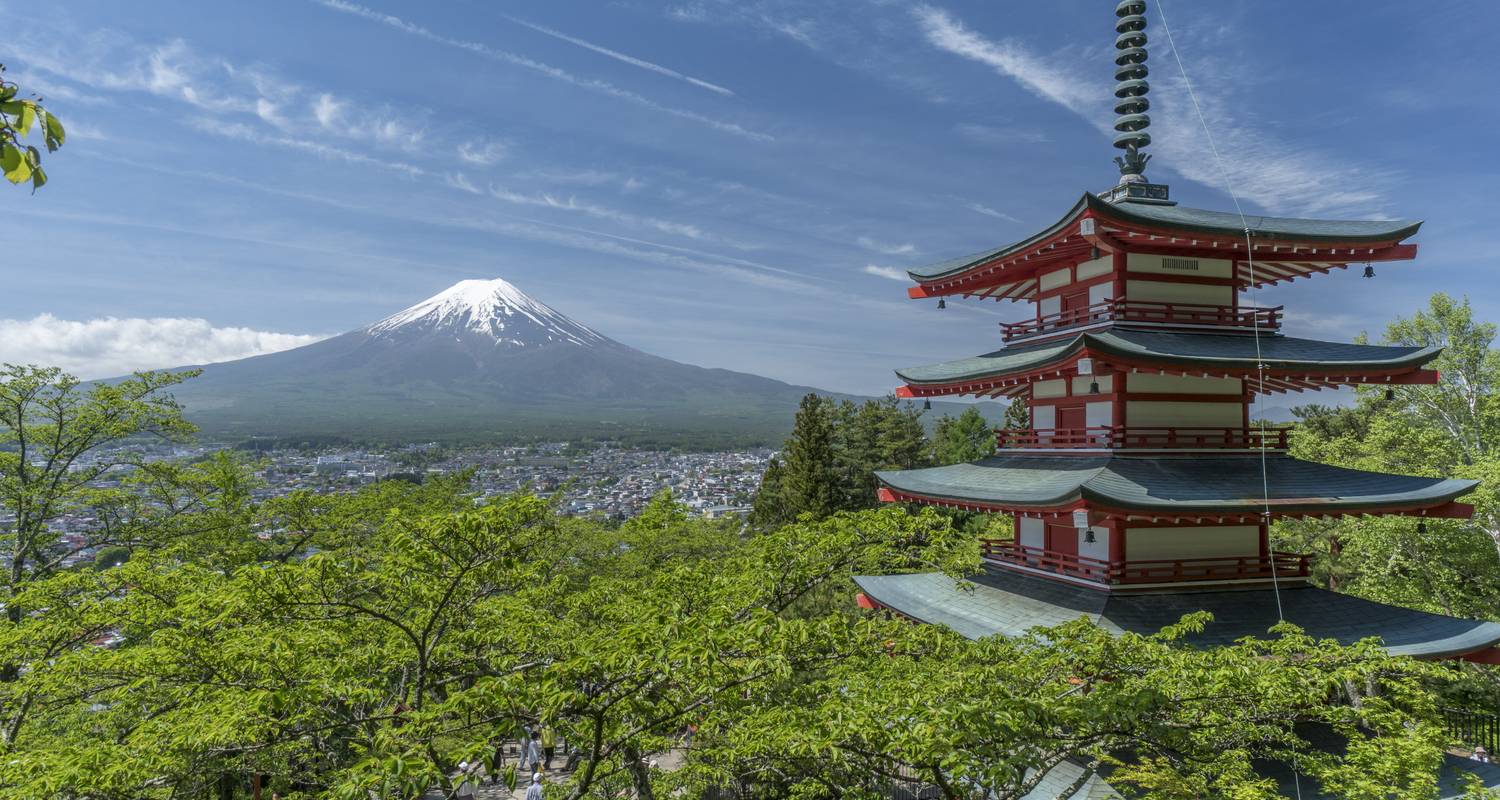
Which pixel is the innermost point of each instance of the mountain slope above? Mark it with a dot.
(483, 359)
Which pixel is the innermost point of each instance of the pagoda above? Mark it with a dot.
(1141, 491)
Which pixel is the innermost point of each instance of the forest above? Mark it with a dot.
(365, 645)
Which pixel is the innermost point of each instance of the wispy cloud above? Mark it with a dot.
(618, 56)
(979, 208)
(109, 346)
(886, 248)
(547, 70)
(886, 272)
(1271, 173)
(483, 153)
(1000, 135)
(245, 133)
(1007, 57)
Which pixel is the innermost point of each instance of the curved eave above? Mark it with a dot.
(1287, 229)
(958, 266)
(1133, 350)
(1325, 244)
(1174, 486)
(999, 603)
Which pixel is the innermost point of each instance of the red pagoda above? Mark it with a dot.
(1141, 491)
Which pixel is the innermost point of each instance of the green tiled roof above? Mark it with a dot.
(1173, 483)
(1180, 349)
(1005, 603)
(1222, 223)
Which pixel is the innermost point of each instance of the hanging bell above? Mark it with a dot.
(1421, 526)
(1390, 394)
(926, 405)
(943, 301)
(1094, 252)
(1094, 387)
(1369, 271)
(1088, 536)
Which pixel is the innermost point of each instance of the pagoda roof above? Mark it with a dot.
(1175, 485)
(1005, 603)
(1290, 246)
(1192, 352)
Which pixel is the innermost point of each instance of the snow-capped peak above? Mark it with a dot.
(493, 308)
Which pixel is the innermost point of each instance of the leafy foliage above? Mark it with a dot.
(362, 645)
(20, 116)
(966, 437)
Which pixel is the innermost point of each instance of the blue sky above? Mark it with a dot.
(723, 183)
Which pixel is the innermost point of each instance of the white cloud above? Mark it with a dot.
(1279, 176)
(108, 346)
(1006, 57)
(886, 248)
(886, 272)
(618, 56)
(979, 208)
(482, 152)
(546, 70)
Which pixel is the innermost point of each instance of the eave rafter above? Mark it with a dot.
(1272, 381)
(1269, 261)
(1450, 509)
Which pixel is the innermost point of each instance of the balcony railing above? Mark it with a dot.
(1118, 437)
(1228, 568)
(1140, 311)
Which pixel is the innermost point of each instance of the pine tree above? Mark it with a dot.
(1017, 415)
(966, 437)
(810, 475)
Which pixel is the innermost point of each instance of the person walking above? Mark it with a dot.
(534, 791)
(534, 751)
(465, 778)
(549, 745)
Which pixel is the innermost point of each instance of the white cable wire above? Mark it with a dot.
(1260, 366)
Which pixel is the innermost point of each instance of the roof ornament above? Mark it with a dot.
(1131, 89)
(1131, 120)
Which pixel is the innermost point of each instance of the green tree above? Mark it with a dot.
(1449, 429)
(810, 479)
(22, 162)
(1017, 414)
(967, 437)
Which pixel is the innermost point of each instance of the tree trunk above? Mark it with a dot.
(640, 774)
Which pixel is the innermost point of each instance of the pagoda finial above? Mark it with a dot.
(1130, 90)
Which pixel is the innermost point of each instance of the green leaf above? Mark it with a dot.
(25, 118)
(53, 128)
(14, 164)
(8, 91)
(38, 178)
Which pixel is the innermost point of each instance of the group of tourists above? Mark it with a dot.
(538, 747)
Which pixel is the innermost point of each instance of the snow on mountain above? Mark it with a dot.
(495, 309)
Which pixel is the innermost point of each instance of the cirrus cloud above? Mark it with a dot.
(109, 346)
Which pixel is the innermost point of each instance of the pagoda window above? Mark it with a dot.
(1172, 265)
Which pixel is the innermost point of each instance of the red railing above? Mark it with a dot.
(1117, 437)
(1228, 568)
(1140, 311)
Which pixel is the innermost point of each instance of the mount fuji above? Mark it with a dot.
(482, 359)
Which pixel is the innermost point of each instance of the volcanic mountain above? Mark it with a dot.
(483, 359)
